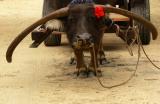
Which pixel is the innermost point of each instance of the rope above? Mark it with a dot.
(98, 78)
(129, 47)
(140, 46)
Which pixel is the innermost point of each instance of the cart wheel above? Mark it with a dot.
(53, 40)
(48, 7)
(143, 9)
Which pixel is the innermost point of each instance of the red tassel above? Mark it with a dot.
(99, 12)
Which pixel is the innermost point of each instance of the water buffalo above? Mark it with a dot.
(83, 27)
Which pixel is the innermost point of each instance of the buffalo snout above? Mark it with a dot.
(83, 40)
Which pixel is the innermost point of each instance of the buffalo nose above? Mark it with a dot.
(85, 38)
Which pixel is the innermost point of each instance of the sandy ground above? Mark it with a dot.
(43, 75)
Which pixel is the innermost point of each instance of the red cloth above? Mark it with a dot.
(99, 12)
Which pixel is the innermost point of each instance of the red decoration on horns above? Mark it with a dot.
(99, 12)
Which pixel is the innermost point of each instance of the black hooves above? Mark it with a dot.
(72, 61)
(88, 73)
(103, 61)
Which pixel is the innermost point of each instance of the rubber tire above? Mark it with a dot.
(143, 9)
(125, 4)
(52, 40)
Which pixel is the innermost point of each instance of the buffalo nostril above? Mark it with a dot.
(78, 36)
(84, 39)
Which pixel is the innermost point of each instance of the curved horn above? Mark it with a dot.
(136, 17)
(59, 13)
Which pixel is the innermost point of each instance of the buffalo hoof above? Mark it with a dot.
(88, 73)
(93, 72)
(72, 61)
(103, 61)
(82, 73)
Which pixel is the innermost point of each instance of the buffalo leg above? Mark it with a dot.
(80, 62)
(101, 56)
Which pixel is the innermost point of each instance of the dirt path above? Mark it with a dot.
(43, 75)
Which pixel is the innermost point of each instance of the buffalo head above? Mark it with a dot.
(83, 27)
